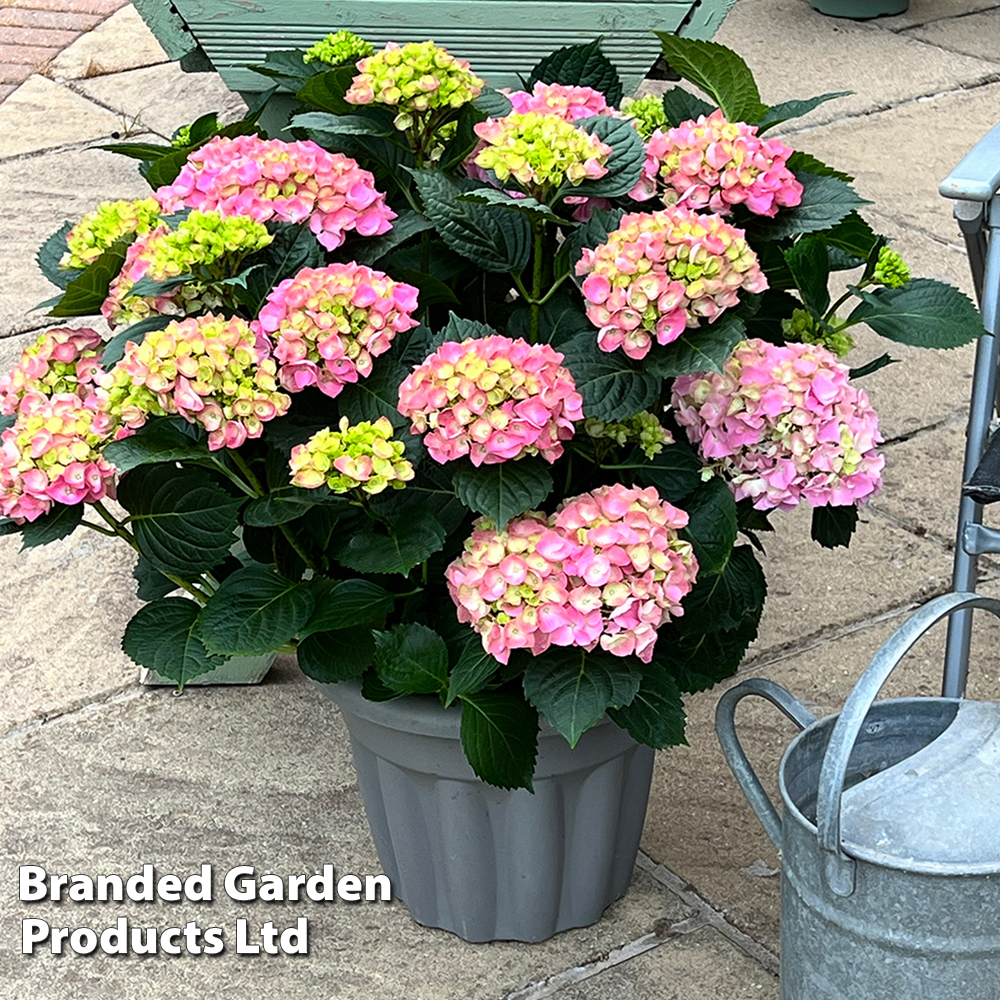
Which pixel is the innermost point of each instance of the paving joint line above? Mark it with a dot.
(640, 946)
(115, 696)
(938, 20)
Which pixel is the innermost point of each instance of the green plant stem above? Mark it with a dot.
(290, 536)
(100, 530)
(536, 282)
(233, 478)
(121, 531)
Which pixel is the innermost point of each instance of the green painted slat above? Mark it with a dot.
(169, 27)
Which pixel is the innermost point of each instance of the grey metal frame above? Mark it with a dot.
(975, 186)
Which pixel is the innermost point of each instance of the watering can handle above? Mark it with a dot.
(840, 868)
(736, 758)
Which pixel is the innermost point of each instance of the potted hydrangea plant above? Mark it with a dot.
(479, 404)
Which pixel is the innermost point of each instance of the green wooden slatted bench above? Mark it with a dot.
(501, 38)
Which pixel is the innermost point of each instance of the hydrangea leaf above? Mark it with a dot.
(655, 716)
(164, 636)
(712, 526)
(675, 472)
(162, 439)
(337, 654)
(612, 385)
(114, 349)
(504, 490)
(473, 669)
(680, 105)
(499, 735)
(704, 349)
(833, 527)
(826, 200)
(60, 521)
(725, 600)
(580, 66)
(407, 542)
(573, 688)
(624, 166)
(51, 252)
(787, 110)
(412, 659)
(349, 603)
(85, 293)
(255, 611)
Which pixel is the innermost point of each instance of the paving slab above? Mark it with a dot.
(866, 147)
(247, 776)
(796, 52)
(974, 35)
(812, 590)
(120, 43)
(700, 826)
(42, 115)
(698, 966)
(59, 186)
(929, 11)
(160, 98)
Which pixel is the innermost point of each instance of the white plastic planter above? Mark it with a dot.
(238, 670)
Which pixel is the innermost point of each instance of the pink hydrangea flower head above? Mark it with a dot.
(97, 230)
(784, 425)
(52, 454)
(511, 587)
(328, 323)
(414, 78)
(662, 273)
(540, 151)
(208, 369)
(493, 399)
(629, 564)
(715, 163)
(286, 181)
(60, 361)
(568, 102)
(206, 245)
(363, 456)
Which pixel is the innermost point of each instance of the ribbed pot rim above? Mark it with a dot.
(421, 714)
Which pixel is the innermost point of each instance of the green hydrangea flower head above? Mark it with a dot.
(414, 78)
(891, 270)
(647, 114)
(363, 456)
(643, 429)
(111, 220)
(802, 327)
(341, 48)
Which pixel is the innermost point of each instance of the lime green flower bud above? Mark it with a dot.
(646, 113)
(643, 429)
(338, 49)
(97, 230)
(802, 327)
(890, 270)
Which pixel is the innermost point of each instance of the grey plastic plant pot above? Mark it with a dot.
(485, 863)
(860, 10)
(238, 670)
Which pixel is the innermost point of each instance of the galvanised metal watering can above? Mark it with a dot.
(890, 838)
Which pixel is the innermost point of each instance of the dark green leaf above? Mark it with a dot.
(700, 660)
(162, 439)
(500, 737)
(573, 689)
(183, 522)
(592, 233)
(114, 349)
(325, 123)
(405, 226)
(680, 105)
(612, 385)
(350, 603)
(873, 366)
(656, 716)
(288, 66)
(325, 91)
(496, 240)
(152, 584)
(148, 287)
(718, 71)
(725, 600)
(286, 504)
(165, 169)
(850, 243)
(395, 550)
(675, 472)
(51, 252)
(137, 150)
(712, 527)
(432, 290)
(58, 523)
(788, 110)
(531, 207)
(774, 307)
(624, 166)
(85, 294)
(473, 669)
(580, 66)
(504, 490)
(834, 526)
(458, 329)
(923, 313)
(255, 611)
(9, 527)
(809, 262)
(412, 659)
(825, 202)
(293, 248)
(329, 657)
(164, 636)
(806, 163)
(704, 349)
(378, 395)
(493, 104)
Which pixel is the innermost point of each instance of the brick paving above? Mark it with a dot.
(33, 32)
